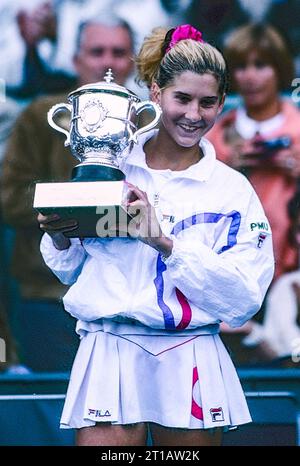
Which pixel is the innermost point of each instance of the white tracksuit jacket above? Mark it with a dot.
(220, 267)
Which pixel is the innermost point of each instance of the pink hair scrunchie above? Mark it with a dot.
(186, 31)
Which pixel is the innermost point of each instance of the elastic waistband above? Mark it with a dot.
(127, 326)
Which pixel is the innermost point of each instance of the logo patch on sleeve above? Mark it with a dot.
(259, 226)
(261, 239)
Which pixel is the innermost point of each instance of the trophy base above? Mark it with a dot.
(100, 222)
(94, 172)
(96, 205)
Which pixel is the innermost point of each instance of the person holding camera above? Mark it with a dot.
(261, 137)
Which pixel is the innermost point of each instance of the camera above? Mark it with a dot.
(270, 146)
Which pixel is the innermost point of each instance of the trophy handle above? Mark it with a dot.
(52, 112)
(146, 105)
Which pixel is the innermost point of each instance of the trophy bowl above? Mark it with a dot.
(104, 119)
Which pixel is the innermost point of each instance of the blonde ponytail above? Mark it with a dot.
(160, 63)
(150, 55)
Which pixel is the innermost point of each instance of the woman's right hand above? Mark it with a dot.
(56, 226)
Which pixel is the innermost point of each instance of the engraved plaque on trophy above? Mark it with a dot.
(103, 127)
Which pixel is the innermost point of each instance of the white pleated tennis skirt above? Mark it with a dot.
(172, 381)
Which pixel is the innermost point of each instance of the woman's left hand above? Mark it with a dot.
(144, 224)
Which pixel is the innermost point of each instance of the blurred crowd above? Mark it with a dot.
(48, 49)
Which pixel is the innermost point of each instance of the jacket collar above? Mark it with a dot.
(200, 171)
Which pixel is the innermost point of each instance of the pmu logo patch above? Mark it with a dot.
(259, 226)
(217, 414)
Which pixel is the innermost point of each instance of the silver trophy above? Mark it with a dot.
(104, 125)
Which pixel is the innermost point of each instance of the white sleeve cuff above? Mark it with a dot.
(66, 264)
(174, 257)
(48, 249)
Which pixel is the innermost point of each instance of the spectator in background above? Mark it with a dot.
(29, 44)
(43, 34)
(262, 137)
(36, 26)
(36, 152)
(216, 18)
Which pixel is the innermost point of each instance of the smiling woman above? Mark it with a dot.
(149, 306)
(191, 105)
